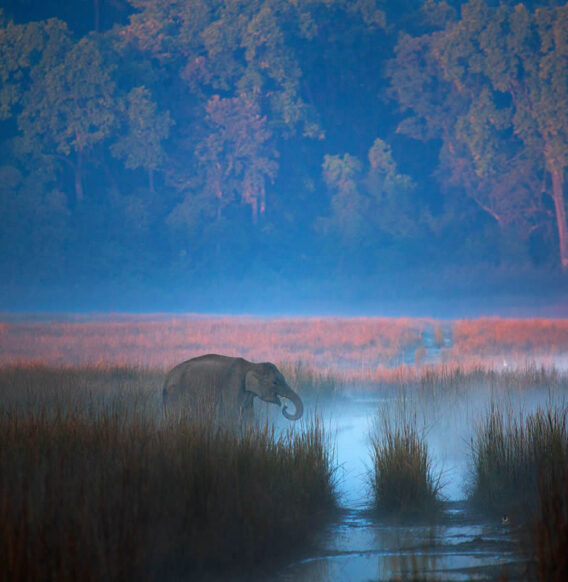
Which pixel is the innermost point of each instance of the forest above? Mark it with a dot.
(233, 155)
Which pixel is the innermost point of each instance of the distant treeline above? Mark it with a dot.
(173, 143)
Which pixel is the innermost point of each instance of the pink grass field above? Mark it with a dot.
(365, 346)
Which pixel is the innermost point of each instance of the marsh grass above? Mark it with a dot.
(551, 528)
(511, 452)
(456, 375)
(96, 485)
(311, 383)
(163, 340)
(356, 344)
(403, 479)
(488, 337)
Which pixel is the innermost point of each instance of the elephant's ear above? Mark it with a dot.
(252, 383)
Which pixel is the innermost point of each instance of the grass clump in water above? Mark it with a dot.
(513, 455)
(96, 486)
(403, 480)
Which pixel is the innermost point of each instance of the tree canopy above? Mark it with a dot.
(186, 141)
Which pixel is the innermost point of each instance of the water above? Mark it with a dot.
(359, 546)
(461, 545)
(459, 548)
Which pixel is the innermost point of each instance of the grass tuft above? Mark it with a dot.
(403, 480)
(511, 453)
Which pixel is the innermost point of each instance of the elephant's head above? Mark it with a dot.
(266, 382)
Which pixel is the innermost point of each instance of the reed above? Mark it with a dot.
(365, 350)
(551, 529)
(94, 484)
(511, 451)
(161, 341)
(403, 479)
(312, 383)
(494, 336)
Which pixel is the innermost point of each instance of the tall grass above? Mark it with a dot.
(403, 479)
(551, 529)
(161, 341)
(456, 379)
(494, 336)
(511, 451)
(312, 383)
(95, 485)
(366, 350)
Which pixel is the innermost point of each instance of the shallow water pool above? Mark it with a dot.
(361, 546)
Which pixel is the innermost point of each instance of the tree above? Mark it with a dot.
(241, 94)
(235, 156)
(541, 116)
(493, 86)
(398, 214)
(140, 144)
(230, 48)
(349, 207)
(70, 105)
(371, 205)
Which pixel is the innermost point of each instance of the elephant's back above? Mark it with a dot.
(208, 372)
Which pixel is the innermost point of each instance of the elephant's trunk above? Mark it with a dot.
(297, 401)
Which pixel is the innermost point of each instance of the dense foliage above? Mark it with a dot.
(177, 146)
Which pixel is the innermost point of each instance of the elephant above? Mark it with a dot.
(230, 384)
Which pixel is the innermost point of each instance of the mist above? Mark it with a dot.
(363, 546)
(448, 423)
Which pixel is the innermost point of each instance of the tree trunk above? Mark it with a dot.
(560, 211)
(115, 194)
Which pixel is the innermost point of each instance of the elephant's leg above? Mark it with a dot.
(246, 409)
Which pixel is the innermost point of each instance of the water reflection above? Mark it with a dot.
(362, 549)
